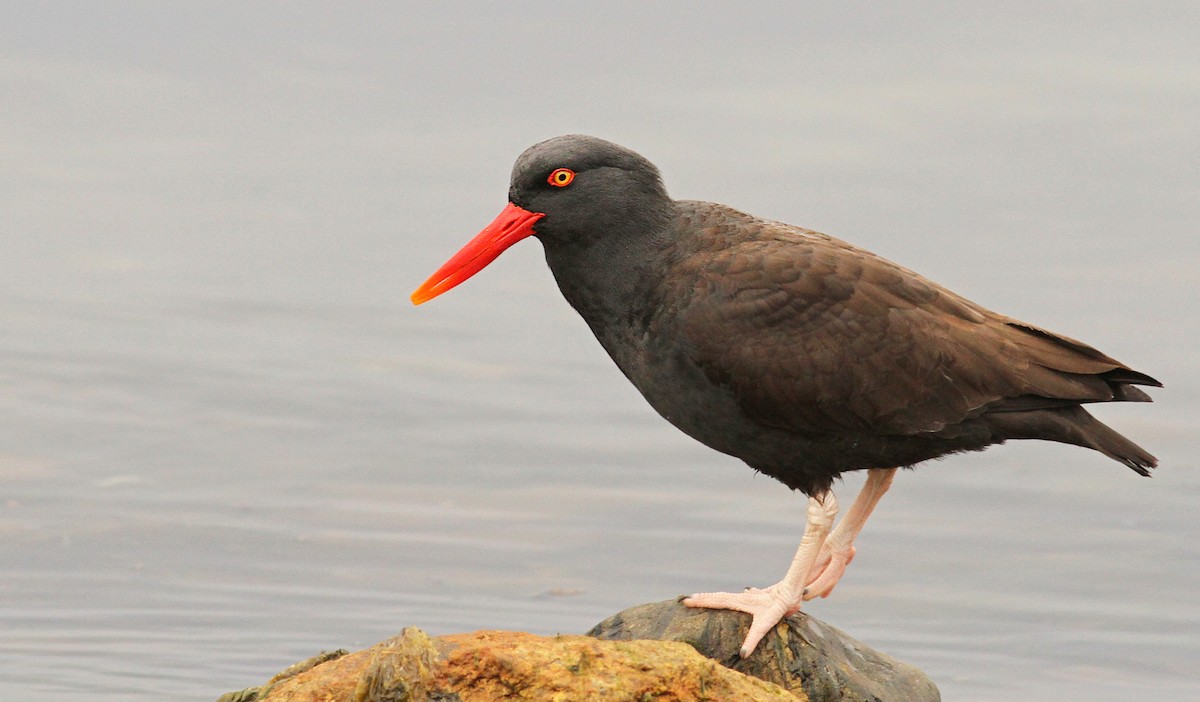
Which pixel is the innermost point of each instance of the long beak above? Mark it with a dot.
(510, 226)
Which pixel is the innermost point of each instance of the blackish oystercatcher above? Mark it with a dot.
(798, 353)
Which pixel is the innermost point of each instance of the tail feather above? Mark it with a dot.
(1128, 393)
(1073, 425)
(1128, 376)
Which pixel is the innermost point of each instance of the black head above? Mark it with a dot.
(587, 187)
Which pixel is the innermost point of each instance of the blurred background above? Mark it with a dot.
(228, 441)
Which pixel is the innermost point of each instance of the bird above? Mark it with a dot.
(802, 355)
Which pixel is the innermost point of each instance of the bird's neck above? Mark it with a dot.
(612, 279)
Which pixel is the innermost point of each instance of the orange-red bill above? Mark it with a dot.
(510, 226)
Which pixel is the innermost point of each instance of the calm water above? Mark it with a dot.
(227, 441)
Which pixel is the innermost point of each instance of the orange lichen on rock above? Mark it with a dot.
(504, 665)
(490, 665)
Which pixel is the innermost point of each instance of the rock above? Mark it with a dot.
(661, 651)
(807, 657)
(503, 665)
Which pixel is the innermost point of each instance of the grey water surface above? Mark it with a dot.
(227, 440)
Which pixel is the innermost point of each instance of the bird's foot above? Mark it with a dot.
(827, 572)
(768, 606)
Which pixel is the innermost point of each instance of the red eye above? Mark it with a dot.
(561, 177)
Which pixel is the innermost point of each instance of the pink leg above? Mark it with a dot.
(838, 550)
(768, 606)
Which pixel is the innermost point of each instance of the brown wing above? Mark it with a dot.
(816, 336)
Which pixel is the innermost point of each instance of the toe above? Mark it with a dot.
(764, 621)
(738, 601)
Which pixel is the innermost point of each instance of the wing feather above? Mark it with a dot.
(820, 337)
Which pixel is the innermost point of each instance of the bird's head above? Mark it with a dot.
(568, 191)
